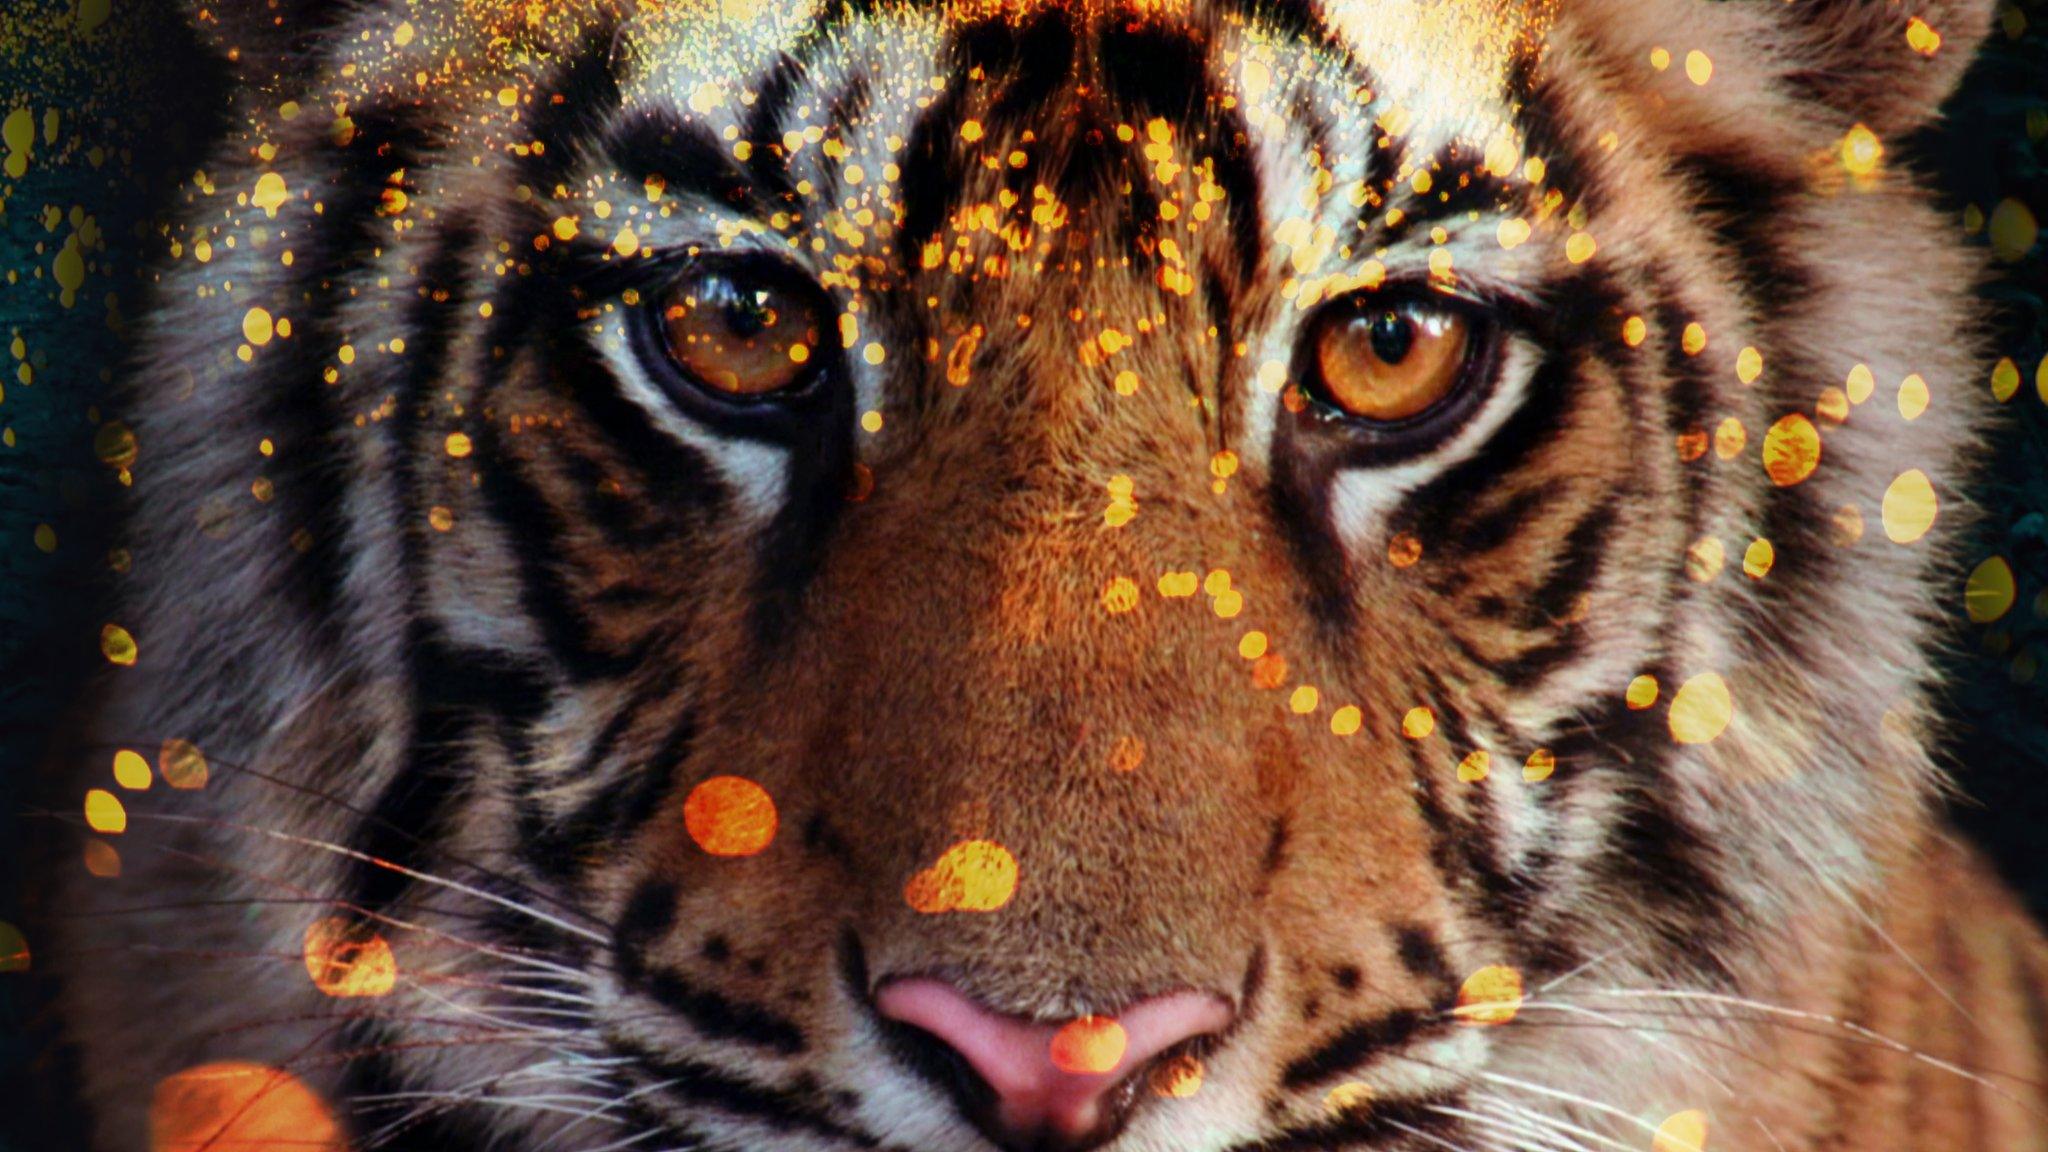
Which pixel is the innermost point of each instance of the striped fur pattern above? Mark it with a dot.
(500, 598)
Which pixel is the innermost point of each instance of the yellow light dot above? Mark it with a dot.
(1913, 396)
(1921, 37)
(1580, 247)
(1701, 709)
(1909, 507)
(440, 518)
(1229, 603)
(1693, 340)
(1681, 1132)
(1861, 151)
(117, 645)
(1491, 995)
(565, 227)
(1990, 591)
(873, 353)
(1699, 68)
(2041, 379)
(270, 194)
(1120, 595)
(256, 327)
(1861, 383)
(1418, 723)
(1642, 692)
(1758, 558)
(2005, 380)
(1791, 450)
(1634, 331)
(1347, 720)
(1252, 645)
(626, 243)
(45, 538)
(1749, 364)
(1540, 765)
(1474, 767)
(1660, 58)
(1303, 700)
(871, 421)
(730, 816)
(1179, 1078)
(971, 131)
(104, 813)
(1352, 1096)
(1512, 232)
(131, 771)
(971, 876)
(1223, 465)
(1704, 559)
(1729, 438)
(458, 444)
(507, 97)
(2013, 230)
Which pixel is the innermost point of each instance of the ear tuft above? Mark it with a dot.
(1885, 63)
(263, 39)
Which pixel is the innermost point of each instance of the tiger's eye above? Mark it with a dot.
(740, 336)
(1390, 364)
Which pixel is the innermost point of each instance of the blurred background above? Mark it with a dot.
(107, 107)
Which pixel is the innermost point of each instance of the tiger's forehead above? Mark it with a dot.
(1442, 68)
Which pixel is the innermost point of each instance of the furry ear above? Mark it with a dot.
(1888, 64)
(262, 39)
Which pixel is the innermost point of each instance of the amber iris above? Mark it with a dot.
(1390, 364)
(739, 335)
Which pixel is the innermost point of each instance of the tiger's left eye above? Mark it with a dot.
(1387, 364)
(740, 335)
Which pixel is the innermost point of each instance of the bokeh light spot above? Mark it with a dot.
(104, 813)
(1474, 767)
(1089, 1046)
(1303, 700)
(1404, 550)
(1913, 396)
(118, 645)
(182, 765)
(240, 1107)
(1758, 558)
(131, 771)
(102, 860)
(1861, 151)
(1701, 709)
(1540, 765)
(1418, 723)
(1347, 720)
(1909, 507)
(1641, 693)
(730, 816)
(349, 960)
(971, 876)
(1791, 450)
(1178, 1078)
(1681, 1132)
(1348, 1098)
(14, 956)
(1489, 996)
(1990, 591)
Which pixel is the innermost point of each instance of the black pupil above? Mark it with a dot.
(746, 314)
(1393, 335)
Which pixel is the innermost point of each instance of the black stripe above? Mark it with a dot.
(689, 160)
(619, 808)
(1356, 1045)
(574, 106)
(696, 1086)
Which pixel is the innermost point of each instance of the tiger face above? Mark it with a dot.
(1154, 576)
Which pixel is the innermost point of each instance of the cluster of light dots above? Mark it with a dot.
(181, 765)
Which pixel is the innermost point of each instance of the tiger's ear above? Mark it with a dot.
(1885, 63)
(264, 39)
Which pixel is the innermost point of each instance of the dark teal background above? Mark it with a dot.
(136, 88)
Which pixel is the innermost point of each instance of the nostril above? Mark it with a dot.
(1042, 1084)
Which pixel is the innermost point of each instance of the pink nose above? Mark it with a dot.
(1052, 1081)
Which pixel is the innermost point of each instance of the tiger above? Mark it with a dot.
(975, 575)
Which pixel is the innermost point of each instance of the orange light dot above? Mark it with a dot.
(348, 960)
(1861, 151)
(1922, 38)
(1418, 723)
(104, 813)
(240, 1107)
(1404, 550)
(182, 765)
(1127, 754)
(458, 445)
(102, 860)
(1089, 1046)
(1489, 996)
(1178, 1078)
(1269, 671)
(730, 816)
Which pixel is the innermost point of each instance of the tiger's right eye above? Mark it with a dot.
(742, 335)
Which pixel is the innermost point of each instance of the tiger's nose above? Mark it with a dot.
(1055, 1086)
